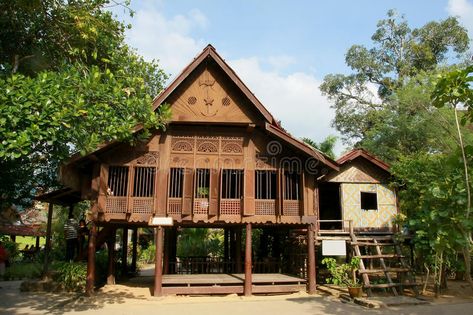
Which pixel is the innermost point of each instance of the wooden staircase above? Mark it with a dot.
(381, 256)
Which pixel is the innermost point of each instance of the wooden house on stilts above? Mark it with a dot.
(223, 162)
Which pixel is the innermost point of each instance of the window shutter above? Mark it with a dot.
(249, 192)
(188, 191)
(213, 192)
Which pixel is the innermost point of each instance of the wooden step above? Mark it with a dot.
(372, 244)
(378, 238)
(380, 256)
(369, 271)
(390, 285)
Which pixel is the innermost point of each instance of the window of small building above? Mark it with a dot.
(202, 182)
(232, 184)
(176, 182)
(143, 183)
(369, 201)
(265, 184)
(117, 183)
(291, 185)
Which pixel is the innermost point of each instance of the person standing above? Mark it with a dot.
(82, 237)
(70, 234)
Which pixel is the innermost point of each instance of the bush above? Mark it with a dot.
(147, 255)
(11, 248)
(30, 270)
(71, 275)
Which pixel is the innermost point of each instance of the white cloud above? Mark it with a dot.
(295, 99)
(156, 36)
(464, 10)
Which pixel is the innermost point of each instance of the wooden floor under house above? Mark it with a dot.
(197, 284)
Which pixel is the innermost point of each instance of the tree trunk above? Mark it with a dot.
(467, 260)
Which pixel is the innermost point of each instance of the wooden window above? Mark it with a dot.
(176, 182)
(369, 201)
(291, 185)
(143, 183)
(202, 183)
(117, 184)
(232, 184)
(265, 184)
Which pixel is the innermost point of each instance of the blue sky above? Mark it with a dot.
(281, 49)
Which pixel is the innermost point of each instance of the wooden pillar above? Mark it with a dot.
(248, 278)
(90, 282)
(158, 269)
(37, 242)
(47, 247)
(310, 260)
(71, 209)
(124, 251)
(13, 238)
(173, 258)
(238, 249)
(134, 250)
(225, 249)
(232, 253)
(166, 251)
(111, 257)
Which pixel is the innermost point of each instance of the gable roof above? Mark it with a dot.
(356, 153)
(210, 52)
(270, 124)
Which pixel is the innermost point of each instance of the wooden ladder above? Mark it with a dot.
(378, 243)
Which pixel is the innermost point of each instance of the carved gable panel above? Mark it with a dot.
(208, 98)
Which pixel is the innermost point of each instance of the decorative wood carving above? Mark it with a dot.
(207, 144)
(209, 99)
(148, 158)
(182, 144)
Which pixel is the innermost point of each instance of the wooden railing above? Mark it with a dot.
(214, 265)
(291, 207)
(265, 207)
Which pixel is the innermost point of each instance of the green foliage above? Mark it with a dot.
(453, 88)
(11, 248)
(71, 275)
(21, 270)
(327, 146)
(200, 242)
(147, 255)
(343, 274)
(68, 83)
(398, 54)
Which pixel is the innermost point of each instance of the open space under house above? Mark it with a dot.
(224, 162)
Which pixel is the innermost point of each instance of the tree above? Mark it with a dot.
(327, 146)
(397, 55)
(454, 89)
(68, 83)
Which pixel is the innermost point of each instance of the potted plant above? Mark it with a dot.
(345, 275)
(203, 193)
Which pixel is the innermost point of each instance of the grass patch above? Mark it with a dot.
(22, 241)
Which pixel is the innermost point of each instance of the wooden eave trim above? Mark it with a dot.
(301, 146)
(352, 155)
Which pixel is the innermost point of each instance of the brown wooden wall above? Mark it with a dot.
(190, 148)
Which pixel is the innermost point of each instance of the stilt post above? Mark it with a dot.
(90, 281)
(158, 270)
(47, 248)
(125, 251)
(310, 260)
(248, 276)
(111, 257)
(238, 249)
(134, 251)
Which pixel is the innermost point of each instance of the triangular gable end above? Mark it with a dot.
(209, 91)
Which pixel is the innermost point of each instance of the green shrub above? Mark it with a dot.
(147, 255)
(11, 248)
(72, 275)
(20, 270)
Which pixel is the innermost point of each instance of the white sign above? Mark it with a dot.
(160, 221)
(334, 248)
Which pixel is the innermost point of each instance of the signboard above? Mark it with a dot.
(334, 248)
(160, 221)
